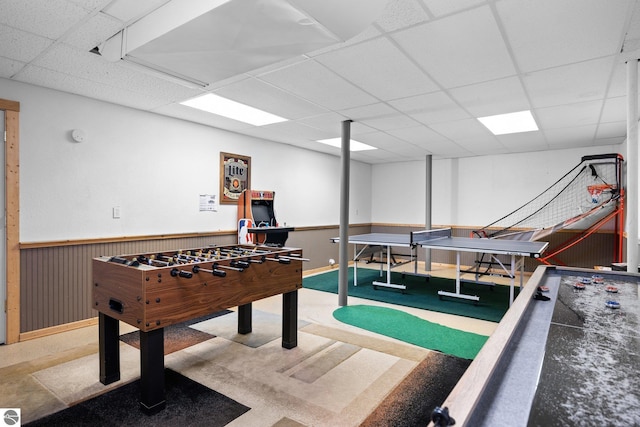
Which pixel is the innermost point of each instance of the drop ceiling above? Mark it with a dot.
(413, 78)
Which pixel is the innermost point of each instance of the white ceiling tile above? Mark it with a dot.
(332, 123)
(434, 62)
(382, 140)
(570, 137)
(395, 77)
(446, 149)
(369, 33)
(460, 49)
(614, 142)
(48, 18)
(66, 83)
(482, 145)
(397, 121)
(400, 14)
(198, 116)
(89, 66)
(445, 7)
(524, 141)
(548, 33)
(92, 4)
(494, 97)
(431, 108)
(20, 45)
(615, 109)
(618, 85)
(268, 98)
(420, 136)
(366, 112)
(315, 83)
(612, 130)
(296, 130)
(127, 10)
(93, 32)
(8, 67)
(569, 115)
(461, 129)
(569, 84)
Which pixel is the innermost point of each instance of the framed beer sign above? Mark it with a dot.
(235, 176)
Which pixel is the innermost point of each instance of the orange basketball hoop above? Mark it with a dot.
(595, 190)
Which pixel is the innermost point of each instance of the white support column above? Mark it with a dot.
(343, 276)
(631, 193)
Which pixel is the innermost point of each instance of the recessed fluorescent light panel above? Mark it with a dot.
(502, 124)
(353, 145)
(233, 110)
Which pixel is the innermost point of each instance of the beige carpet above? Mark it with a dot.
(337, 375)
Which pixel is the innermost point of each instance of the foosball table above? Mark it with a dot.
(151, 291)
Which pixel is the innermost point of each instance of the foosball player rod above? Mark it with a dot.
(280, 260)
(228, 267)
(153, 262)
(182, 273)
(190, 258)
(256, 261)
(215, 272)
(239, 264)
(294, 257)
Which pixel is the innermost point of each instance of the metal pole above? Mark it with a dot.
(428, 207)
(343, 277)
(632, 166)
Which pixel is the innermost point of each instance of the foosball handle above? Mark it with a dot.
(182, 273)
(441, 418)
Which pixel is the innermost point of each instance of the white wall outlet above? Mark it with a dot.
(116, 212)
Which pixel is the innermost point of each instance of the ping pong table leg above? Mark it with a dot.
(457, 272)
(513, 278)
(388, 265)
(355, 265)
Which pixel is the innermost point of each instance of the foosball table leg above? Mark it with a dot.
(109, 348)
(290, 319)
(152, 387)
(244, 319)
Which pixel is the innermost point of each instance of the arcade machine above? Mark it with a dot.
(257, 221)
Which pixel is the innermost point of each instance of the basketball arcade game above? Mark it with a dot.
(151, 291)
(257, 220)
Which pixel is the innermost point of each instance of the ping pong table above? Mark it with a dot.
(442, 239)
(382, 243)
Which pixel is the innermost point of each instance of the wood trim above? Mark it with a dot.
(121, 239)
(12, 209)
(56, 243)
(58, 329)
(7, 105)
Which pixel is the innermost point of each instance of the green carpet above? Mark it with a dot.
(414, 330)
(420, 293)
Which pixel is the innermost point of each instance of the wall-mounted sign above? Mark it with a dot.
(235, 176)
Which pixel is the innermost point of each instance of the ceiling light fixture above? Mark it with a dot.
(233, 110)
(353, 145)
(501, 124)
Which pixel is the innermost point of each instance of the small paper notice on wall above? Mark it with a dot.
(208, 203)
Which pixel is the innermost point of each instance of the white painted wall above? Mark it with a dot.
(472, 191)
(154, 168)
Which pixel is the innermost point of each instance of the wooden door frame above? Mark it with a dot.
(12, 209)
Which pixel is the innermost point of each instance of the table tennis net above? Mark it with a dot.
(422, 236)
(585, 195)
